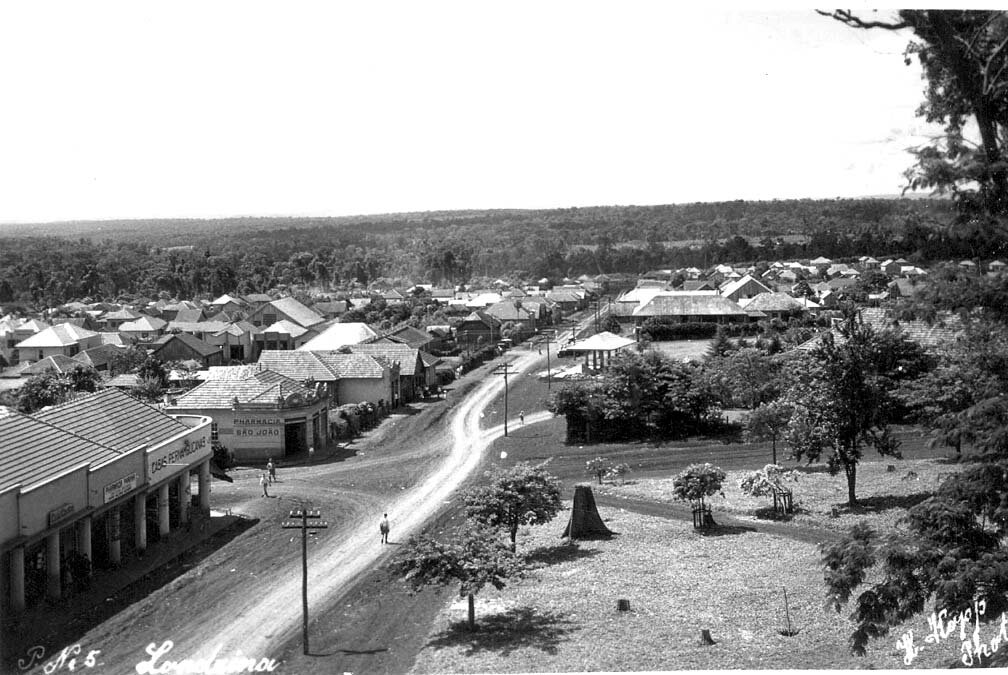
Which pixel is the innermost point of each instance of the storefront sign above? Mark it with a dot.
(125, 485)
(60, 513)
(191, 450)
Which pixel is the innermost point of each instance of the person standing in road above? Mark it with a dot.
(383, 527)
(521, 418)
(263, 481)
(272, 470)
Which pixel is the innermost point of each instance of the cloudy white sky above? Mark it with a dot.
(181, 109)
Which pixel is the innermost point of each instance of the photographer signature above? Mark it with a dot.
(69, 658)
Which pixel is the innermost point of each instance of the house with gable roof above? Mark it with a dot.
(62, 339)
(284, 309)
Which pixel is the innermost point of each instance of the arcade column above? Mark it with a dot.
(53, 582)
(204, 485)
(17, 579)
(164, 523)
(140, 522)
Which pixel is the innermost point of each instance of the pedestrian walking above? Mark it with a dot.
(272, 470)
(263, 481)
(521, 418)
(383, 527)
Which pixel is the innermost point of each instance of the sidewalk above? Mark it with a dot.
(54, 624)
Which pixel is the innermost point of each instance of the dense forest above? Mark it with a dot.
(53, 263)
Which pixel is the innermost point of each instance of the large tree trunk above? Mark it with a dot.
(472, 612)
(514, 536)
(773, 445)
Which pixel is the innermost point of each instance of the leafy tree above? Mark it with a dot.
(769, 420)
(127, 360)
(766, 481)
(841, 405)
(153, 369)
(965, 64)
(521, 495)
(83, 378)
(474, 558)
(612, 325)
(598, 467)
(697, 483)
(748, 376)
(40, 391)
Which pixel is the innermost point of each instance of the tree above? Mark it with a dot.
(720, 345)
(841, 404)
(474, 558)
(618, 471)
(40, 391)
(83, 378)
(769, 482)
(598, 467)
(127, 360)
(769, 420)
(698, 482)
(153, 369)
(964, 59)
(521, 495)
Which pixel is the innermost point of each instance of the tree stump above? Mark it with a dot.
(585, 521)
(623, 605)
(705, 637)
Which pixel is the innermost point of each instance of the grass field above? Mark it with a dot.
(686, 350)
(883, 495)
(563, 616)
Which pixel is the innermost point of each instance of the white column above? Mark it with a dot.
(164, 524)
(115, 548)
(183, 491)
(204, 485)
(17, 597)
(140, 523)
(84, 537)
(53, 586)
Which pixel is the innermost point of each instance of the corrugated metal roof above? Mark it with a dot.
(113, 419)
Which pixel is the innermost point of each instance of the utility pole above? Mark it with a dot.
(505, 370)
(545, 337)
(303, 525)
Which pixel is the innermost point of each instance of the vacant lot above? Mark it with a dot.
(563, 616)
(883, 495)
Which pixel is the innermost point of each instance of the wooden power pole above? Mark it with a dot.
(304, 526)
(505, 370)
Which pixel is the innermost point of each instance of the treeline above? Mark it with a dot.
(191, 258)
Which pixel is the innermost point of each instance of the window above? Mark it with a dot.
(214, 434)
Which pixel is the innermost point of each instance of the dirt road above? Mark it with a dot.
(241, 603)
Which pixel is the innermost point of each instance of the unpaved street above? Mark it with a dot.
(246, 598)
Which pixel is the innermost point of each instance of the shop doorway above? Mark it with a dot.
(295, 436)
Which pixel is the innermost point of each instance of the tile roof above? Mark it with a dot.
(125, 314)
(297, 312)
(264, 386)
(774, 302)
(408, 335)
(114, 339)
(229, 372)
(35, 451)
(145, 324)
(285, 327)
(58, 363)
(689, 304)
(505, 310)
(97, 356)
(733, 286)
(193, 342)
(406, 356)
(187, 315)
(255, 298)
(297, 365)
(353, 366)
(113, 419)
(59, 335)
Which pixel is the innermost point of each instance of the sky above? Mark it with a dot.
(211, 109)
